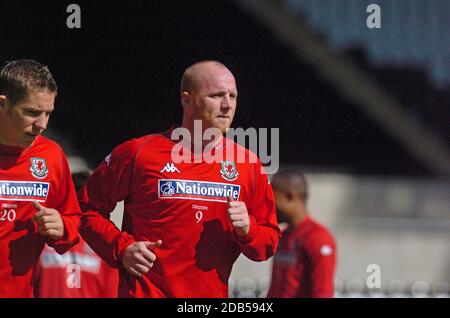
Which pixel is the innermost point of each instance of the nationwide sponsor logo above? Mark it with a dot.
(24, 191)
(87, 262)
(285, 258)
(197, 190)
(38, 168)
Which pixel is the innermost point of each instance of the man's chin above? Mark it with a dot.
(223, 128)
(220, 129)
(28, 141)
(25, 144)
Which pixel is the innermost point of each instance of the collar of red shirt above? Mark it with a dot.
(15, 150)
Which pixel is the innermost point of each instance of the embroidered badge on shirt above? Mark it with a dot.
(38, 168)
(228, 170)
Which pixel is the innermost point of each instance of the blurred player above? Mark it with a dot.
(91, 277)
(304, 264)
(38, 203)
(186, 223)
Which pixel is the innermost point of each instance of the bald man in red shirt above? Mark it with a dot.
(185, 223)
(304, 264)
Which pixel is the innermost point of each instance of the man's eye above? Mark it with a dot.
(32, 113)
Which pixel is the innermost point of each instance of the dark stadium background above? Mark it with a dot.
(119, 74)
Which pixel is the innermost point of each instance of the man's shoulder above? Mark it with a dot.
(317, 233)
(242, 152)
(131, 146)
(49, 144)
(321, 229)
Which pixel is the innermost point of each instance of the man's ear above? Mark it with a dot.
(185, 99)
(2, 101)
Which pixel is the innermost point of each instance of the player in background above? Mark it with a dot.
(185, 223)
(78, 273)
(38, 202)
(304, 264)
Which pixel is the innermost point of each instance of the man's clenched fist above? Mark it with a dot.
(238, 215)
(49, 221)
(138, 257)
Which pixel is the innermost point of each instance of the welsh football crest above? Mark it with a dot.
(228, 170)
(38, 168)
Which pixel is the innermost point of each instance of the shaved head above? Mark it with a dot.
(208, 93)
(291, 181)
(198, 73)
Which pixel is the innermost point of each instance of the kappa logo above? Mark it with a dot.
(38, 168)
(108, 159)
(326, 250)
(170, 167)
(228, 170)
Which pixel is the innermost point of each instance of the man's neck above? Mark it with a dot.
(2, 140)
(5, 142)
(300, 216)
(197, 138)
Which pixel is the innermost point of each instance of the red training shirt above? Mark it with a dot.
(56, 277)
(304, 264)
(185, 206)
(37, 173)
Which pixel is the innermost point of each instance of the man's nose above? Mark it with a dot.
(41, 122)
(226, 102)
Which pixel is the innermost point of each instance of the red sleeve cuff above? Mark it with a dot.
(251, 233)
(71, 234)
(123, 242)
